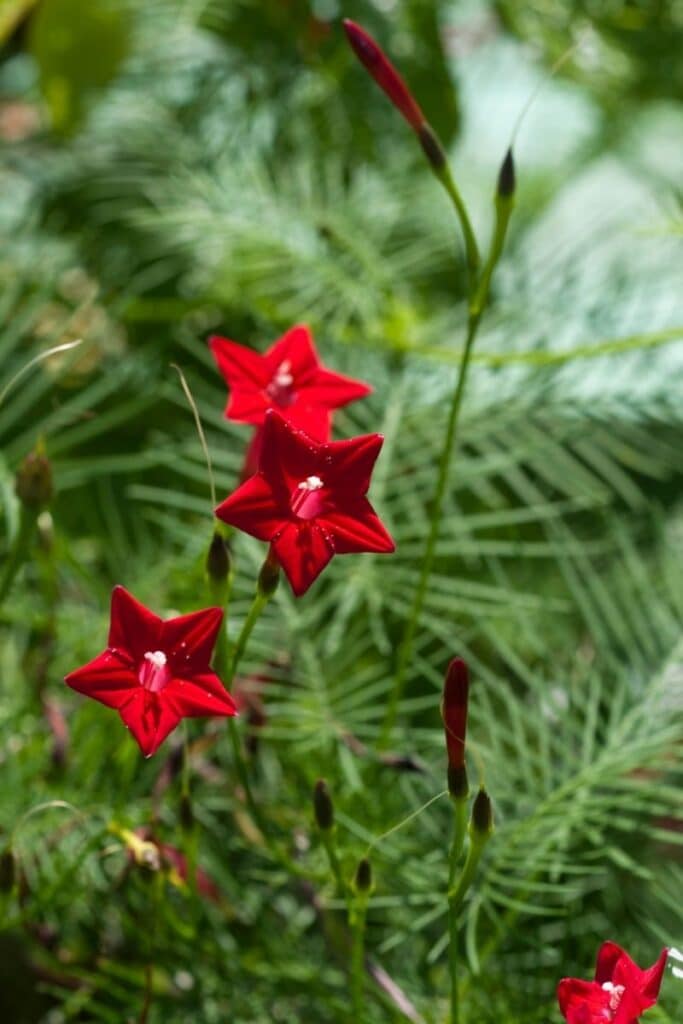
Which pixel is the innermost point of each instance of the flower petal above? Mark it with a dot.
(254, 508)
(303, 551)
(188, 640)
(133, 628)
(247, 374)
(352, 463)
(201, 695)
(582, 1002)
(645, 984)
(288, 456)
(334, 389)
(150, 719)
(609, 955)
(297, 348)
(108, 678)
(357, 528)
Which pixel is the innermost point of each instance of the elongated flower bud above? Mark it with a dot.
(323, 808)
(481, 823)
(218, 559)
(385, 74)
(454, 711)
(362, 881)
(33, 483)
(506, 177)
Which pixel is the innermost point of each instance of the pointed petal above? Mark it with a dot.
(357, 528)
(133, 629)
(582, 1002)
(108, 678)
(303, 551)
(254, 508)
(201, 695)
(352, 463)
(288, 456)
(628, 1009)
(188, 640)
(247, 375)
(296, 347)
(150, 719)
(609, 955)
(314, 420)
(645, 984)
(334, 390)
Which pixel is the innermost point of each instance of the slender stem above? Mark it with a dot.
(445, 176)
(406, 648)
(459, 832)
(357, 922)
(19, 551)
(456, 893)
(331, 851)
(258, 604)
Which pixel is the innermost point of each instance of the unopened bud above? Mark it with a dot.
(362, 881)
(218, 559)
(454, 711)
(323, 808)
(373, 58)
(506, 176)
(482, 815)
(33, 482)
(7, 872)
(268, 577)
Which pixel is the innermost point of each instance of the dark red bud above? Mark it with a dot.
(33, 483)
(506, 177)
(384, 73)
(455, 694)
(268, 577)
(482, 814)
(218, 559)
(323, 808)
(363, 877)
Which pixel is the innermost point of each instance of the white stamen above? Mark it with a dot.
(615, 991)
(311, 483)
(283, 377)
(157, 658)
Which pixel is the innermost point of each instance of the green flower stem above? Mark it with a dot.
(457, 892)
(504, 205)
(406, 648)
(258, 604)
(19, 551)
(327, 836)
(226, 668)
(357, 916)
(445, 177)
(459, 833)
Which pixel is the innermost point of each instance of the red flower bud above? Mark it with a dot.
(455, 693)
(384, 73)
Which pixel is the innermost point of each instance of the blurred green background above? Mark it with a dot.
(177, 168)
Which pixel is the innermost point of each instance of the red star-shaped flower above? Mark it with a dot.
(620, 992)
(288, 378)
(308, 500)
(154, 672)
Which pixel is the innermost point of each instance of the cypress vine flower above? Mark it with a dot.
(308, 500)
(155, 672)
(620, 992)
(289, 378)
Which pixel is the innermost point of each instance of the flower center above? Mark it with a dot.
(280, 389)
(153, 673)
(615, 994)
(307, 501)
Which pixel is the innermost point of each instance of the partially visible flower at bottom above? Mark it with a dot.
(155, 673)
(620, 992)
